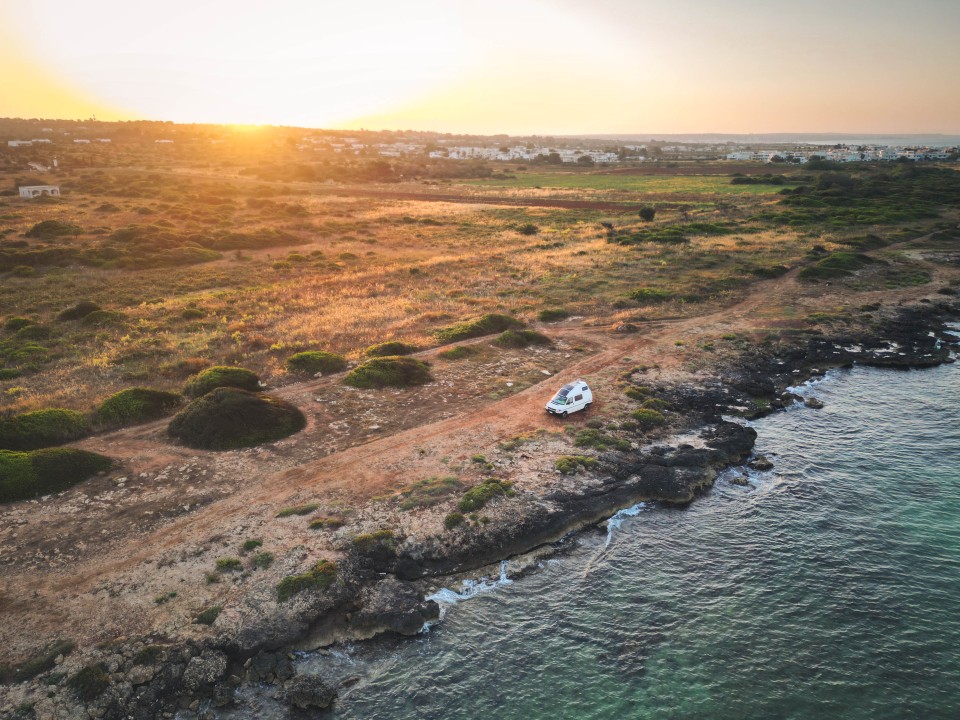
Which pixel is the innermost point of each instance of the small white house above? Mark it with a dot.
(19, 143)
(32, 191)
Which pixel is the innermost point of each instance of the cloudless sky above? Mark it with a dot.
(515, 66)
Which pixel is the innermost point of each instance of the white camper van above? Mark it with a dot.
(571, 398)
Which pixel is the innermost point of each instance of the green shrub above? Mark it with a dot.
(103, 318)
(41, 428)
(593, 438)
(330, 523)
(9, 373)
(15, 323)
(637, 393)
(655, 403)
(521, 339)
(453, 520)
(53, 228)
(393, 347)
(31, 474)
(427, 493)
(228, 418)
(483, 325)
(90, 682)
(148, 655)
(553, 315)
(33, 331)
(647, 213)
(647, 418)
(475, 498)
(320, 576)
(23, 271)
(389, 371)
(312, 362)
(836, 265)
(192, 314)
(528, 229)
(298, 510)
(165, 598)
(261, 561)
(41, 662)
(650, 295)
(79, 311)
(136, 405)
(229, 564)
(460, 352)
(221, 376)
(208, 616)
(251, 544)
(375, 543)
(569, 464)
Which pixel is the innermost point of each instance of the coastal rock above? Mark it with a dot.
(393, 605)
(141, 674)
(812, 402)
(308, 692)
(760, 462)
(269, 667)
(204, 670)
(740, 480)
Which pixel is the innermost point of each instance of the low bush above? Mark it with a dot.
(261, 561)
(251, 544)
(79, 311)
(650, 295)
(90, 682)
(208, 616)
(25, 475)
(453, 520)
(305, 509)
(136, 405)
(597, 439)
(229, 564)
(647, 214)
(528, 229)
(460, 352)
(483, 325)
(148, 655)
(228, 418)
(394, 347)
(647, 418)
(328, 523)
(381, 542)
(390, 371)
(426, 493)
(221, 376)
(41, 428)
(312, 362)
(553, 315)
(15, 323)
(569, 464)
(635, 392)
(521, 339)
(320, 576)
(836, 265)
(33, 331)
(43, 661)
(52, 229)
(103, 318)
(655, 404)
(475, 498)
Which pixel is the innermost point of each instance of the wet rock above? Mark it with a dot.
(740, 480)
(812, 402)
(269, 667)
(761, 463)
(307, 692)
(204, 670)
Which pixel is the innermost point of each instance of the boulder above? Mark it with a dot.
(760, 462)
(812, 402)
(308, 692)
(204, 670)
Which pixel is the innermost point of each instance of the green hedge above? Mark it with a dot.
(389, 372)
(316, 361)
(483, 325)
(25, 475)
(136, 405)
(221, 376)
(41, 428)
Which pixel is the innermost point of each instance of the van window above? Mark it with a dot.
(578, 398)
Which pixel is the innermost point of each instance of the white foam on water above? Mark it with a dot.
(445, 597)
(617, 520)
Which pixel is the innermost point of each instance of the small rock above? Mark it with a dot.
(740, 480)
(760, 462)
(306, 692)
(812, 402)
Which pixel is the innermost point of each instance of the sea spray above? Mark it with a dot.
(445, 597)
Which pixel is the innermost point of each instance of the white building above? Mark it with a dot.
(19, 143)
(32, 191)
(82, 142)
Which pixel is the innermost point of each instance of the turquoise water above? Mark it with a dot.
(830, 589)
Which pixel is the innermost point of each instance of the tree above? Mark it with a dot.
(647, 213)
(585, 160)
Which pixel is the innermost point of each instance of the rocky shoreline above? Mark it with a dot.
(381, 585)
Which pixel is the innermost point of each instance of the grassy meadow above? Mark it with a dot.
(187, 272)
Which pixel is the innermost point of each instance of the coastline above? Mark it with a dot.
(383, 588)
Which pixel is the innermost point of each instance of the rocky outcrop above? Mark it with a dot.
(308, 692)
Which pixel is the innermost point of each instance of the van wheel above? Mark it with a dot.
(587, 406)
(563, 414)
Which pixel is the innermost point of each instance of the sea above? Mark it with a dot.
(828, 587)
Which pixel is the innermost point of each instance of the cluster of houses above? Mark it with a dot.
(844, 153)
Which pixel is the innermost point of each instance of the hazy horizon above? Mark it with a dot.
(521, 68)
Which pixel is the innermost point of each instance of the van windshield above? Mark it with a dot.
(560, 398)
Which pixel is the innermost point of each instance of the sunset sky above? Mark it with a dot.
(513, 66)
